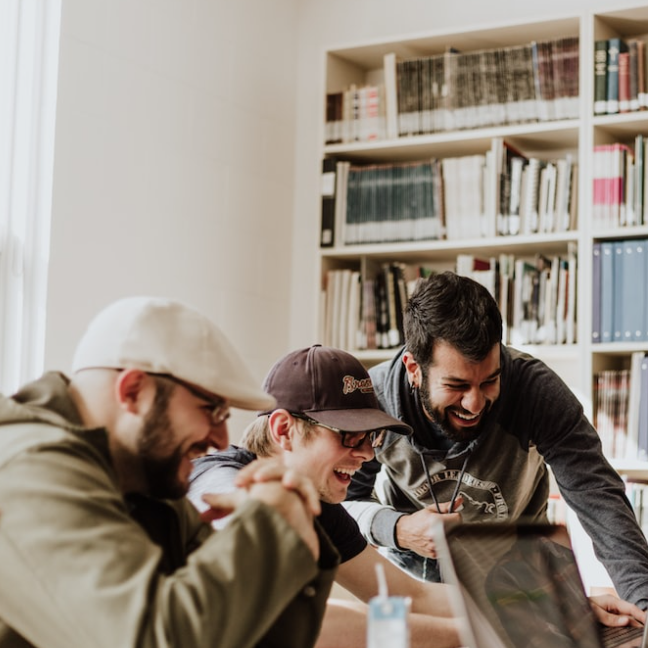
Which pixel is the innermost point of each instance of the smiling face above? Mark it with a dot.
(457, 393)
(319, 453)
(177, 429)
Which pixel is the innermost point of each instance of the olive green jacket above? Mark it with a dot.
(83, 566)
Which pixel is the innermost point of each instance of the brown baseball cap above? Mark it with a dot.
(330, 386)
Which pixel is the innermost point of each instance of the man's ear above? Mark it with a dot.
(281, 428)
(413, 370)
(134, 390)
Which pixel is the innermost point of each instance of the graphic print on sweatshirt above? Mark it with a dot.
(481, 499)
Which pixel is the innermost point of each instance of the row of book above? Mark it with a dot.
(356, 114)
(620, 83)
(536, 81)
(619, 181)
(536, 297)
(500, 193)
(537, 300)
(619, 301)
(637, 492)
(362, 312)
(621, 409)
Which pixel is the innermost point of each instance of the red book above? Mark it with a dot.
(624, 82)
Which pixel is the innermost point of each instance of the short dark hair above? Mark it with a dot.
(456, 310)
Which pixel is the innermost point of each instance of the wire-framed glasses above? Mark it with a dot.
(219, 406)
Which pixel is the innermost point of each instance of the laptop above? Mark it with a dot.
(518, 586)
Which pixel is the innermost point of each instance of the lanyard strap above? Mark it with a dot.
(456, 490)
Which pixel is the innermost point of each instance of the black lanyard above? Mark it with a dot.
(456, 490)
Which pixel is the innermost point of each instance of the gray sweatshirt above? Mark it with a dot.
(537, 421)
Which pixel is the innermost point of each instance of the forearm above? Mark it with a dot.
(376, 521)
(434, 631)
(344, 625)
(432, 598)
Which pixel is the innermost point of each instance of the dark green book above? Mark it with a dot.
(600, 77)
(615, 47)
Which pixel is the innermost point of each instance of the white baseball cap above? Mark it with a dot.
(162, 336)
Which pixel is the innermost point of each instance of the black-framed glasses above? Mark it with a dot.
(348, 439)
(219, 406)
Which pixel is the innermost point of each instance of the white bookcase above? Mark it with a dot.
(362, 63)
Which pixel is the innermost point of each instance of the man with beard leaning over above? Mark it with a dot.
(98, 545)
(487, 421)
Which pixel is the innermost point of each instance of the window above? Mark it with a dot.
(29, 45)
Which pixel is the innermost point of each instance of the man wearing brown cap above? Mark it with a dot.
(325, 423)
(99, 547)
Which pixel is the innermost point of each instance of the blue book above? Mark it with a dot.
(642, 437)
(632, 301)
(596, 292)
(635, 273)
(607, 287)
(618, 325)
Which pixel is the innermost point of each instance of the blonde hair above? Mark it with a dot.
(257, 437)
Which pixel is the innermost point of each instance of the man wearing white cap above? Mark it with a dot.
(98, 545)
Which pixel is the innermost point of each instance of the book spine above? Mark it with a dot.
(624, 82)
(618, 325)
(607, 287)
(600, 76)
(615, 47)
(596, 292)
(327, 188)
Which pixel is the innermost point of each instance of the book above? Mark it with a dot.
(570, 314)
(638, 181)
(600, 76)
(327, 191)
(634, 399)
(506, 264)
(547, 199)
(391, 95)
(525, 303)
(353, 311)
(530, 192)
(596, 292)
(624, 81)
(615, 47)
(618, 264)
(341, 188)
(642, 440)
(633, 299)
(633, 73)
(334, 112)
(642, 68)
(607, 287)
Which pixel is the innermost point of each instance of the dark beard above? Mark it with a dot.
(440, 417)
(161, 473)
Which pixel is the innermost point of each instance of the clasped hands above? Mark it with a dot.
(288, 491)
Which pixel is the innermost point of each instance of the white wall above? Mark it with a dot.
(174, 165)
(338, 23)
(187, 154)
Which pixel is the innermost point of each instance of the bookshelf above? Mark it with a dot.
(570, 133)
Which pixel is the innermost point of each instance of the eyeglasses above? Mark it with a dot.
(349, 439)
(219, 407)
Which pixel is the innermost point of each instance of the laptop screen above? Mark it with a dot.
(518, 586)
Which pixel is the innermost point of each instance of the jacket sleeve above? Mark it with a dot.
(377, 521)
(78, 572)
(587, 482)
